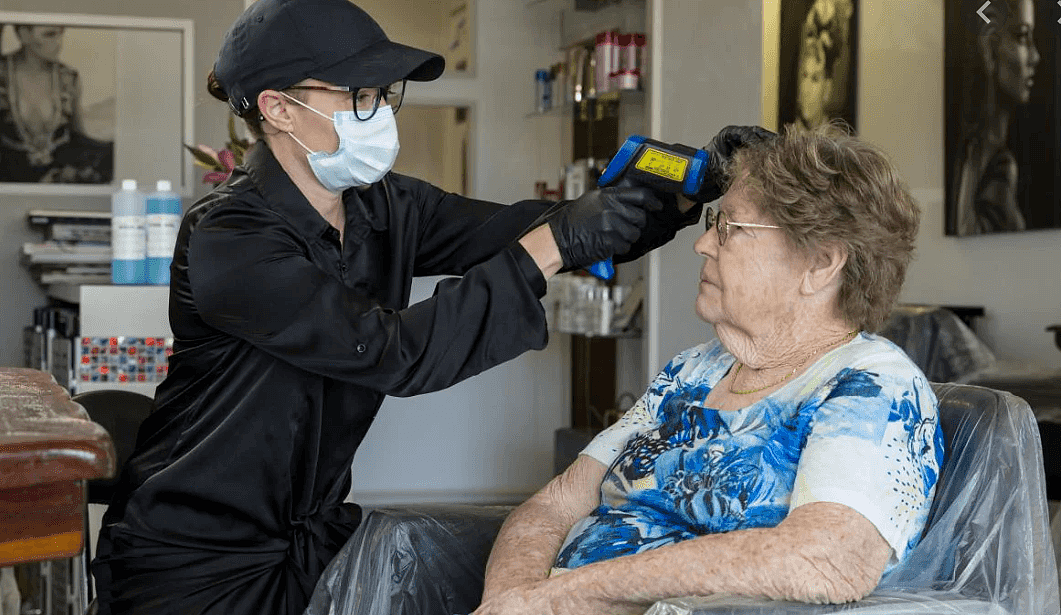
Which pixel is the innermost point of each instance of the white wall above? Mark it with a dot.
(425, 150)
(413, 22)
(900, 107)
(1014, 276)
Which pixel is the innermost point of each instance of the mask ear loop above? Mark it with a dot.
(299, 102)
(299, 141)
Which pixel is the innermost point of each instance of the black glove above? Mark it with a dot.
(662, 225)
(601, 223)
(721, 149)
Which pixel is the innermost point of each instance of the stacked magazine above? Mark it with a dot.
(75, 250)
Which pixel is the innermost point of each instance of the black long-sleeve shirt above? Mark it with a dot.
(285, 344)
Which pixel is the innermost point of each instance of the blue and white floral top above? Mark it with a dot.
(858, 428)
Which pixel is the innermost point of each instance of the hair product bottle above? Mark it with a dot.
(163, 220)
(128, 238)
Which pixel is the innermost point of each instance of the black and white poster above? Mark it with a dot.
(819, 60)
(1002, 98)
(87, 101)
(57, 104)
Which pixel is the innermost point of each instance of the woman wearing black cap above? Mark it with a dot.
(289, 305)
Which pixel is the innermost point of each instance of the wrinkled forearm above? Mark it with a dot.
(525, 548)
(530, 538)
(821, 559)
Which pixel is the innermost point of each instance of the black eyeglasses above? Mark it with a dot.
(366, 100)
(722, 224)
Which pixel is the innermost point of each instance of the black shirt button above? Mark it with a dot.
(361, 348)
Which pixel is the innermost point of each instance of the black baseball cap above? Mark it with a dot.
(277, 43)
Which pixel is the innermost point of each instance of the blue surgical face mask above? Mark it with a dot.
(367, 149)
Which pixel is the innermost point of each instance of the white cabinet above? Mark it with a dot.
(125, 338)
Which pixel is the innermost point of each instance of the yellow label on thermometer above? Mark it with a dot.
(662, 164)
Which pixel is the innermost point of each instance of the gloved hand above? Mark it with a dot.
(662, 224)
(721, 149)
(601, 223)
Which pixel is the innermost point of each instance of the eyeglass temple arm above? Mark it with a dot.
(751, 224)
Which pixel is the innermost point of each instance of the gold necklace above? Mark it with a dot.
(846, 338)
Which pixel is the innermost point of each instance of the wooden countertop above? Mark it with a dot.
(48, 448)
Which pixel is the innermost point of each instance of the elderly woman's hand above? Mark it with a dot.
(553, 597)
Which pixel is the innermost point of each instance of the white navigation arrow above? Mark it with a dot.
(1059, 4)
(980, 11)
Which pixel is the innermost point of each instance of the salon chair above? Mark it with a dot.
(986, 547)
(120, 413)
(939, 341)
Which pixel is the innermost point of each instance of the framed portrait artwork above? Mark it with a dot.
(817, 81)
(1002, 116)
(89, 100)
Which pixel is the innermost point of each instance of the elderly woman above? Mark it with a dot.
(796, 456)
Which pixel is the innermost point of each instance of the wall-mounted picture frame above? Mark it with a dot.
(818, 67)
(89, 100)
(1002, 116)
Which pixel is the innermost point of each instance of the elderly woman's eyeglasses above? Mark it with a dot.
(366, 100)
(722, 224)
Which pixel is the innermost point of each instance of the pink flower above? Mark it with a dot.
(228, 159)
(220, 164)
(225, 159)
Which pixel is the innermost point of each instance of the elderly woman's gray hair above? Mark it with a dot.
(825, 186)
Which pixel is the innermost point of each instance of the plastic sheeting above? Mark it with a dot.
(425, 560)
(880, 603)
(938, 342)
(986, 549)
